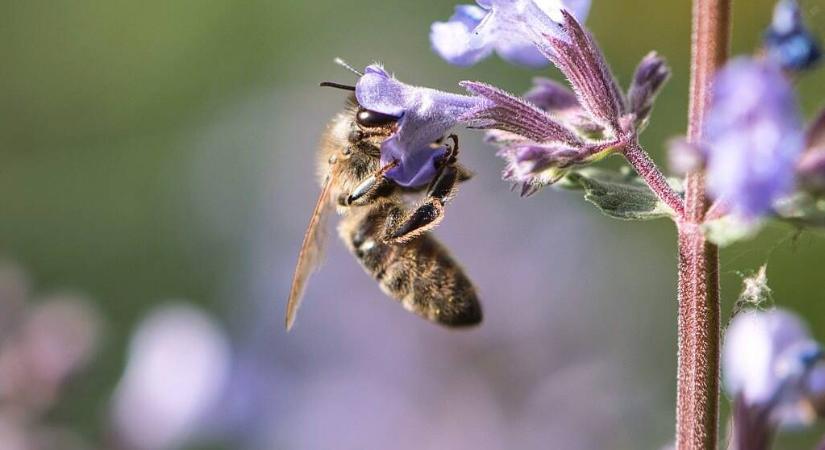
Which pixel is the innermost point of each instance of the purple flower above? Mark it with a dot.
(754, 137)
(508, 27)
(788, 42)
(424, 116)
(811, 168)
(774, 370)
(535, 166)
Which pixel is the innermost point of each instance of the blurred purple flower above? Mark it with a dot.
(684, 157)
(425, 116)
(42, 347)
(811, 166)
(59, 336)
(788, 42)
(178, 363)
(508, 27)
(775, 372)
(754, 137)
(51, 342)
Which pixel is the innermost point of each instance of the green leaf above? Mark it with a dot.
(620, 195)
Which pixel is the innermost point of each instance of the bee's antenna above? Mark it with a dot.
(332, 84)
(344, 64)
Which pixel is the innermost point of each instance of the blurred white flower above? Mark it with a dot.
(771, 363)
(177, 367)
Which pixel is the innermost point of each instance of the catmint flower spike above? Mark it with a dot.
(787, 41)
(650, 77)
(507, 112)
(578, 56)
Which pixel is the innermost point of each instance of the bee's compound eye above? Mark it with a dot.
(372, 119)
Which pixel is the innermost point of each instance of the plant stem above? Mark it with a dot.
(647, 169)
(697, 402)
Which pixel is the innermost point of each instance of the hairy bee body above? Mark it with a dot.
(418, 272)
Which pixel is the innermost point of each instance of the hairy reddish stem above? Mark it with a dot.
(697, 402)
(647, 169)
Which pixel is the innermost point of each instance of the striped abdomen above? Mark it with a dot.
(420, 273)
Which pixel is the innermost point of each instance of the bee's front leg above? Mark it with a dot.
(428, 215)
(374, 186)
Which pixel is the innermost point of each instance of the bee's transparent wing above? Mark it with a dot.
(311, 251)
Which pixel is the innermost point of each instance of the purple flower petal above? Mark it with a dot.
(754, 137)
(455, 41)
(378, 91)
(425, 116)
(552, 96)
(508, 27)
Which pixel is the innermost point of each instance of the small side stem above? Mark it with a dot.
(647, 169)
(697, 402)
(717, 210)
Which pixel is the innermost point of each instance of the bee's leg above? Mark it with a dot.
(427, 215)
(464, 173)
(374, 186)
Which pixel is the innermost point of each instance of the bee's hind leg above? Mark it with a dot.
(429, 214)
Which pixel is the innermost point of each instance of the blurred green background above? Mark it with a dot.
(132, 166)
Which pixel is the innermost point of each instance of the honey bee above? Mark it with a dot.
(390, 240)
